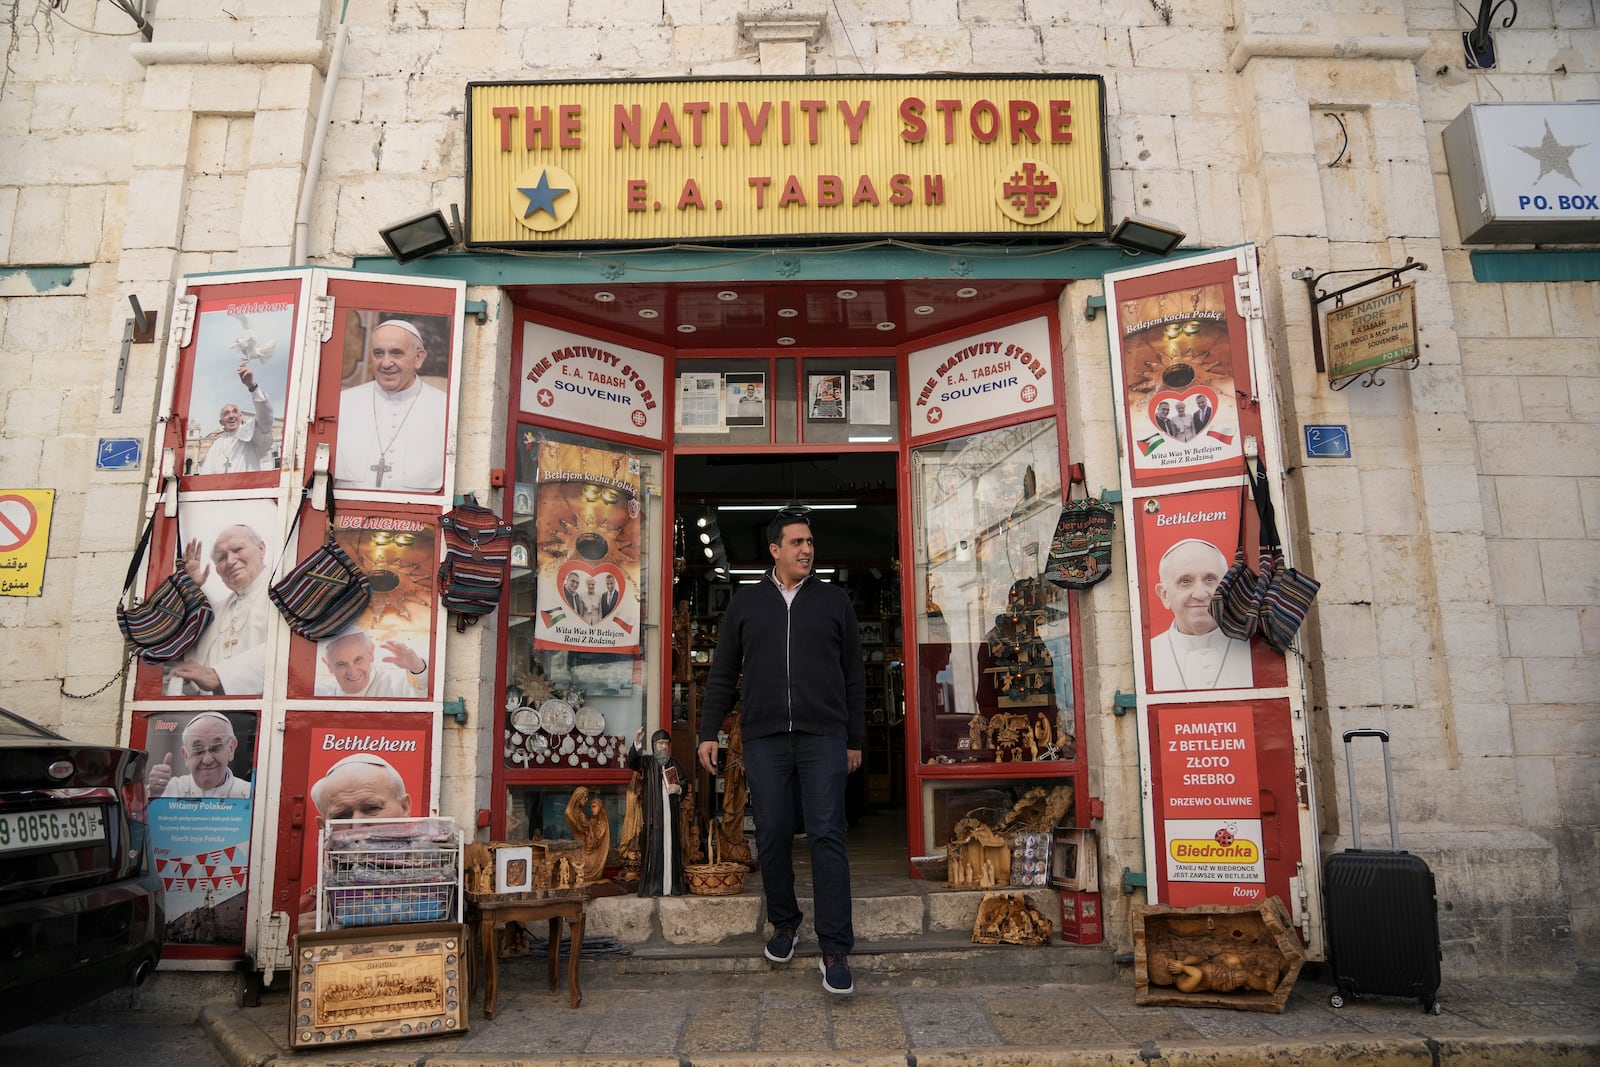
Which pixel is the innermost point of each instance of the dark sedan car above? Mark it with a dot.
(81, 909)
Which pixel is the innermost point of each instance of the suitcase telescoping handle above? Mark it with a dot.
(1388, 783)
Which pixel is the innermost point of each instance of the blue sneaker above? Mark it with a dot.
(836, 975)
(781, 948)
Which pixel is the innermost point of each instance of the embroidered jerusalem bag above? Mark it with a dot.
(1080, 551)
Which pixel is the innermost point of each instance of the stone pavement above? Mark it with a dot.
(899, 1018)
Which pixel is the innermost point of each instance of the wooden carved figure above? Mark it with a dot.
(660, 796)
(591, 828)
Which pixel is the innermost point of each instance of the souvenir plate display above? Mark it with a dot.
(562, 731)
(526, 719)
(556, 717)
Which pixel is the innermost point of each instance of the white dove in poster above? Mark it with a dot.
(250, 348)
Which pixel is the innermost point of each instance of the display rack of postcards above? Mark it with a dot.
(375, 872)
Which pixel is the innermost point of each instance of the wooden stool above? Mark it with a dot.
(485, 916)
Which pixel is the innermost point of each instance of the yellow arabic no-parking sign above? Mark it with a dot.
(24, 539)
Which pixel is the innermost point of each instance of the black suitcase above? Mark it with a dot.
(1383, 917)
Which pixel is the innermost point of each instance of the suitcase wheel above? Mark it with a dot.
(1431, 1007)
(1336, 1000)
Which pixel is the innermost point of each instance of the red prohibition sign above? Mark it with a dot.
(18, 520)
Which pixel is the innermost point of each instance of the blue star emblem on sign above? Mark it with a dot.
(545, 198)
(541, 197)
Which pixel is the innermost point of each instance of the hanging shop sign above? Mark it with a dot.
(1376, 332)
(583, 380)
(1526, 173)
(999, 372)
(553, 162)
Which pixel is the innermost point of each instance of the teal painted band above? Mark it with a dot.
(888, 262)
(1530, 265)
(44, 279)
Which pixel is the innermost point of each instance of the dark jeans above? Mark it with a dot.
(780, 769)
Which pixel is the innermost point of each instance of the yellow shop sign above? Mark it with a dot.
(645, 161)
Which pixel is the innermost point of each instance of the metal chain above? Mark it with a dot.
(103, 688)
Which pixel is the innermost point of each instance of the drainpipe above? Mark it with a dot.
(319, 135)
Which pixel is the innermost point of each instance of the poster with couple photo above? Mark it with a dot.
(1183, 367)
(587, 548)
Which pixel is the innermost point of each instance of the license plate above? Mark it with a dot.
(43, 829)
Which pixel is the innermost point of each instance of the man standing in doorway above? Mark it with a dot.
(795, 641)
(391, 429)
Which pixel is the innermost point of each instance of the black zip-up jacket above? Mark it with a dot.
(801, 663)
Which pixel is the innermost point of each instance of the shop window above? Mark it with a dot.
(994, 649)
(535, 813)
(850, 399)
(1000, 804)
(725, 402)
(583, 625)
(834, 399)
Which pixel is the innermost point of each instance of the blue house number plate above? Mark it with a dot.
(118, 454)
(1328, 442)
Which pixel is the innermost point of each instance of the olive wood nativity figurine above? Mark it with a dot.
(1010, 919)
(591, 827)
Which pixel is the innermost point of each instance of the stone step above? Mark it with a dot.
(904, 910)
(934, 959)
(904, 928)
